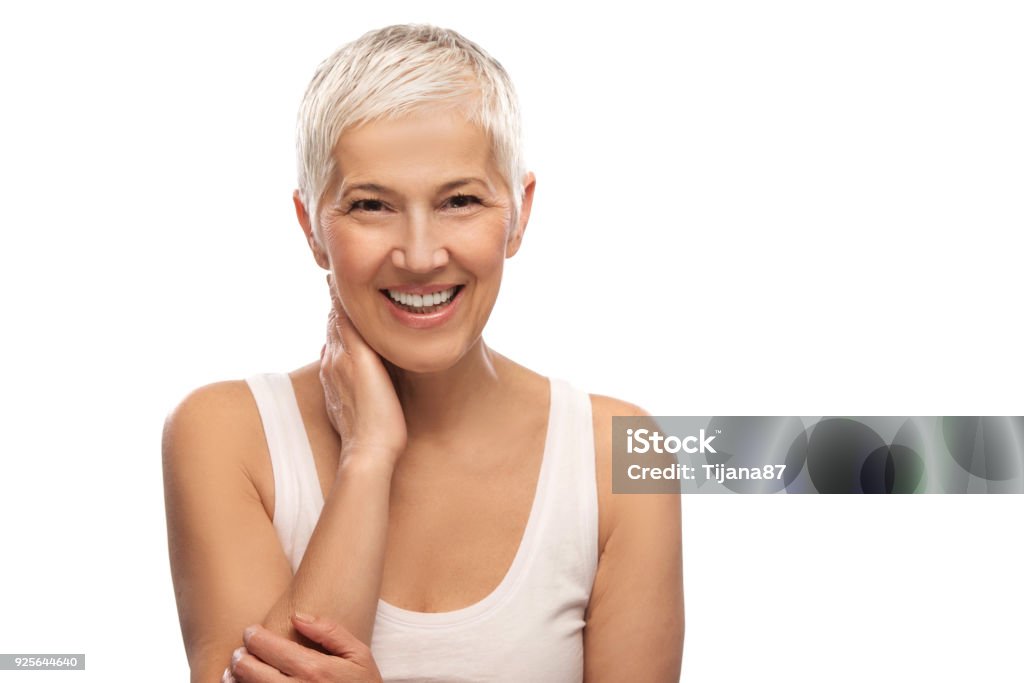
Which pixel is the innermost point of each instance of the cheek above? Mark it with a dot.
(483, 252)
(355, 264)
(356, 259)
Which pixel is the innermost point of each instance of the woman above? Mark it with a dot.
(440, 512)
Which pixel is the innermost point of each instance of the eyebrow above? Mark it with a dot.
(380, 189)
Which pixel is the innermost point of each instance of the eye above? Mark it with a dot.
(463, 201)
(370, 205)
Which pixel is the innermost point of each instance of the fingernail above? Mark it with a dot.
(226, 677)
(247, 634)
(304, 617)
(236, 655)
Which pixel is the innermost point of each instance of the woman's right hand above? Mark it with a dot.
(360, 397)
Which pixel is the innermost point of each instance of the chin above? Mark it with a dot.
(424, 358)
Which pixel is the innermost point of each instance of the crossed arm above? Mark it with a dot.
(227, 564)
(230, 572)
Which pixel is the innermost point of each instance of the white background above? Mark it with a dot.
(742, 208)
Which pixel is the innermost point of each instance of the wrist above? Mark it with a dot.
(360, 461)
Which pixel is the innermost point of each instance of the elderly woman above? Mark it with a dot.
(414, 506)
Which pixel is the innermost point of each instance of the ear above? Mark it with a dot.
(515, 239)
(319, 253)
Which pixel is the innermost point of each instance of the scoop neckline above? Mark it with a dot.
(516, 570)
(524, 552)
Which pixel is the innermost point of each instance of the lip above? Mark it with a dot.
(424, 322)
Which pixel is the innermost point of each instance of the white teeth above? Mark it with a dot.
(422, 300)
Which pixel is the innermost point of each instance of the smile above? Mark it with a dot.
(423, 310)
(423, 304)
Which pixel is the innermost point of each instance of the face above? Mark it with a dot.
(416, 230)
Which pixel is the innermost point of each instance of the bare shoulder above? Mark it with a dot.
(218, 396)
(219, 412)
(603, 409)
(227, 564)
(216, 431)
(636, 604)
(611, 508)
(609, 407)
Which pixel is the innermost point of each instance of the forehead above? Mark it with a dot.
(431, 144)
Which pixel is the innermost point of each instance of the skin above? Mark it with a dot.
(398, 419)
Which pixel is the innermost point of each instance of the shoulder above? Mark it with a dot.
(603, 409)
(214, 433)
(620, 510)
(216, 411)
(639, 572)
(608, 407)
(227, 564)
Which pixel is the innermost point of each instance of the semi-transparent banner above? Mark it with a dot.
(674, 454)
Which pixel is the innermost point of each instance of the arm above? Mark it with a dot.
(227, 564)
(634, 619)
(229, 570)
(340, 573)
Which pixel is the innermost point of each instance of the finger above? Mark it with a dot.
(338, 309)
(332, 319)
(347, 334)
(335, 299)
(248, 668)
(335, 638)
(283, 654)
(337, 318)
(334, 340)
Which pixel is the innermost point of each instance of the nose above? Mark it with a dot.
(420, 248)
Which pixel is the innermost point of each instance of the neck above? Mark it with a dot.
(435, 402)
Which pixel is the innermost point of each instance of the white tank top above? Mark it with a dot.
(530, 628)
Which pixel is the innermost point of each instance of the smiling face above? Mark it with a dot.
(416, 231)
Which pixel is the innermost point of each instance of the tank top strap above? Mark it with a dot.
(574, 482)
(297, 495)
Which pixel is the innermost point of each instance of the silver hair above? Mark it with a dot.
(393, 71)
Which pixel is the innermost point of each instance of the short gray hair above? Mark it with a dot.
(393, 71)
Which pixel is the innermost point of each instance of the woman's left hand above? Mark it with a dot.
(270, 658)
